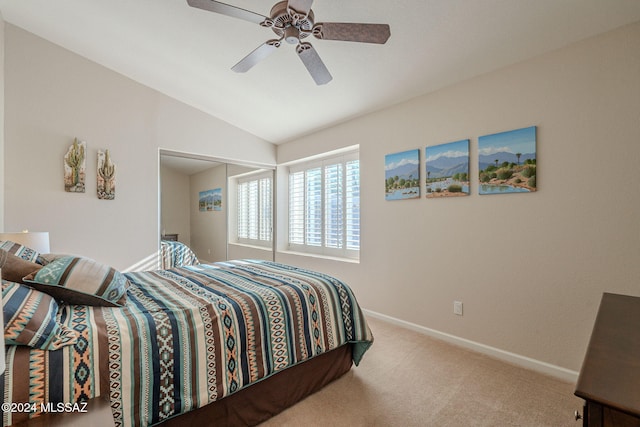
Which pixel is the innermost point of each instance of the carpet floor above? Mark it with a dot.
(410, 379)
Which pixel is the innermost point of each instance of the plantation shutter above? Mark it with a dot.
(352, 202)
(334, 220)
(324, 206)
(254, 210)
(296, 208)
(313, 207)
(243, 215)
(266, 214)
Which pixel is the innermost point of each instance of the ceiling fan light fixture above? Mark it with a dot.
(293, 21)
(292, 35)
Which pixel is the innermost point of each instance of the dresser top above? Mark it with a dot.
(610, 373)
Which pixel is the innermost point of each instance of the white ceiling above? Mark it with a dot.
(187, 165)
(187, 53)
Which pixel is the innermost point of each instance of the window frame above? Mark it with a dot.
(323, 162)
(264, 223)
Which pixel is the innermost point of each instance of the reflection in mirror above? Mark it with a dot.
(199, 204)
(251, 222)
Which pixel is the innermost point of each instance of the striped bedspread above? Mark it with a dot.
(176, 254)
(189, 336)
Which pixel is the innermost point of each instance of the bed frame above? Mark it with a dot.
(263, 400)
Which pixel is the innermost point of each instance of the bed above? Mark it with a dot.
(232, 343)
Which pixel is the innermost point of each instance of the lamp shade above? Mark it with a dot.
(38, 240)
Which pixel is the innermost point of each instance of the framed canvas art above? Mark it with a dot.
(447, 169)
(210, 200)
(507, 162)
(402, 175)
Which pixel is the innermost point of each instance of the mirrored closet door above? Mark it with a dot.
(221, 210)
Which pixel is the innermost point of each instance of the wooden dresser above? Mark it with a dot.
(609, 380)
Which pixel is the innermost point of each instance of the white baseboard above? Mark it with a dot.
(516, 359)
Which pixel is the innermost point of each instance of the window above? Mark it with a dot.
(254, 211)
(324, 206)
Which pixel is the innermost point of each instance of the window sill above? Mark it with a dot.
(328, 257)
(246, 245)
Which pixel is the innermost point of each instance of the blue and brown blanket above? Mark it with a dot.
(176, 254)
(189, 336)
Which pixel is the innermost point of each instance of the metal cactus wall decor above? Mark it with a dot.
(74, 167)
(106, 176)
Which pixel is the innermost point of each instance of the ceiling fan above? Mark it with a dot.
(293, 21)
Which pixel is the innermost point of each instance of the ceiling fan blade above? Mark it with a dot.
(301, 6)
(314, 64)
(258, 54)
(226, 9)
(364, 33)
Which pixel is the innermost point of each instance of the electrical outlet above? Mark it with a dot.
(457, 308)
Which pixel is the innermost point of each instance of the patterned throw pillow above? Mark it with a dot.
(78, 280)
(45, 259)
(15, 268)
(30, 319)
(19, 250)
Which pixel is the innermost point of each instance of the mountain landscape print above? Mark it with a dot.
(507, 162)
(402, 175)
(210, 200)
(447, 168)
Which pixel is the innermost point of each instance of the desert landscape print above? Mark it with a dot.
(402, 175)
(447, 169)
(210, 200)
(507, 162)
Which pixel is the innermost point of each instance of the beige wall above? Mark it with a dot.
(529, 268)
(52, 96)
(209, 229)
